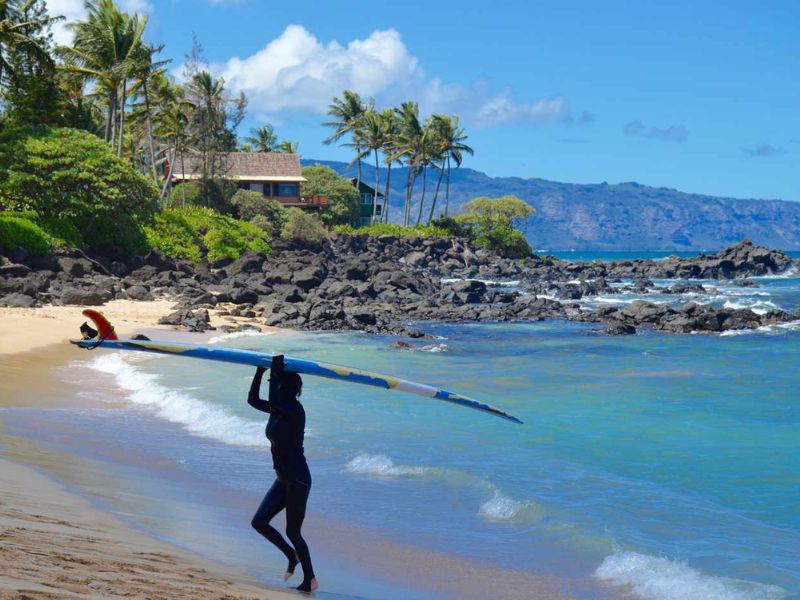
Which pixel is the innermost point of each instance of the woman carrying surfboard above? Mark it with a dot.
(285, 431)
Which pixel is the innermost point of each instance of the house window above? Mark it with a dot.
(257, 187)
(366, 198)
(287, 189)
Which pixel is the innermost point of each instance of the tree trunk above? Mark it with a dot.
(169, 175)
(422, 199)
(436, 193)
(447, 189)
(385, 213)
(110, 117)
(150, 132)
(377, 185)
(113, 137)
(122, 118)
(409, 194)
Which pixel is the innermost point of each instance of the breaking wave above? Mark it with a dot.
(656, 578)
(196, 416)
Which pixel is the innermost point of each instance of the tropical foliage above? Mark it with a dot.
(73, 176)
(343, 206)
(401, 136)
(493, 223)
(303, 228)
(194, 233)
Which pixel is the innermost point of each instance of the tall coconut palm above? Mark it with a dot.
(263, 139)
(448, 137)
(144, 71)
(371, 137)
(345, 116)
(390, 123)
(207, 94)
(408, 147)
(16, 23)
(106, 48)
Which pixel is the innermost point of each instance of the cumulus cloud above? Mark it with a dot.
(673, 133)
(298, 72)
(762, 151)
(73, 10)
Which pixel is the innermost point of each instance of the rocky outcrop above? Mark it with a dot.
(381, 284)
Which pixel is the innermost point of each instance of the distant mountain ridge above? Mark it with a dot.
(624, 216)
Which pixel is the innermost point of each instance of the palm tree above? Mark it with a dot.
(208, 119)
(372, 136)
(263, 139)
(407, 148)
(449, 139)
(287, 147)
(390, 123)
(346, 115)
(15, 28)
(106, 48)
(144, 71)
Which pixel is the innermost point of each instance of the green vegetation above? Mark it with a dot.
(428, 231)
(344, 201)
(72, 176)
(303, 228)
(490, 223)
(17, 231)
(403, 137)
(193, 233)
(266, 213)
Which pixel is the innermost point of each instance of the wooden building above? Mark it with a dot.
(275, 175)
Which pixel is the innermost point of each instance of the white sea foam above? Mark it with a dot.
(777, 328)
(380, 465)
(656, 578)
(238, 334)
(434, 348)
(500, 507)
(759, 307)
(196, 416)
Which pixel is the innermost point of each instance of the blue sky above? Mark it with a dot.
(698, 96)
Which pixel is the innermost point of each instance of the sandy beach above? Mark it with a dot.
(54, 543)
(58, 544)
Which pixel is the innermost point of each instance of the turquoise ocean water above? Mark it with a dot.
(664, 465)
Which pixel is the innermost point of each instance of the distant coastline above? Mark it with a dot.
(621, 217)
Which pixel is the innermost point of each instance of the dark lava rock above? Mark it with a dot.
(617, 328)
(138, 292)
(193, 321)
(17, 300)
(79, 297)
(14, 270)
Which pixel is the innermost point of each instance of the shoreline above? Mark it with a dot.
(388, 561)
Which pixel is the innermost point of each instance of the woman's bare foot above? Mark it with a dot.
(290, 569)
(308, 586)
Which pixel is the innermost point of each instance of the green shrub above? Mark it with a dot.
(174, 236)
(343, 200)
(72, 176)
(193, 233)
(396, 230)
(266, 213)
(303, 228)
(489, 222)
(19, 231)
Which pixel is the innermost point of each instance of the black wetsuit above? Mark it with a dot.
(285, 431)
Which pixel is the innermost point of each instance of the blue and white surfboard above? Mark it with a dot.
(298, 365)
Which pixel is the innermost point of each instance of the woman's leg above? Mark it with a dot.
(273, 503)
(296, 499)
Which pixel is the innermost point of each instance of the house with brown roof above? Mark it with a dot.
(275, 175)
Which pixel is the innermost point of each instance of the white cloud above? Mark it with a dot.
(74, 10)
(298, 72)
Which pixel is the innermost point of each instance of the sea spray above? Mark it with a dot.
(657, 578)
(195, 415)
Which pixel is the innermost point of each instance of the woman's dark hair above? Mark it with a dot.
(291, 383)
